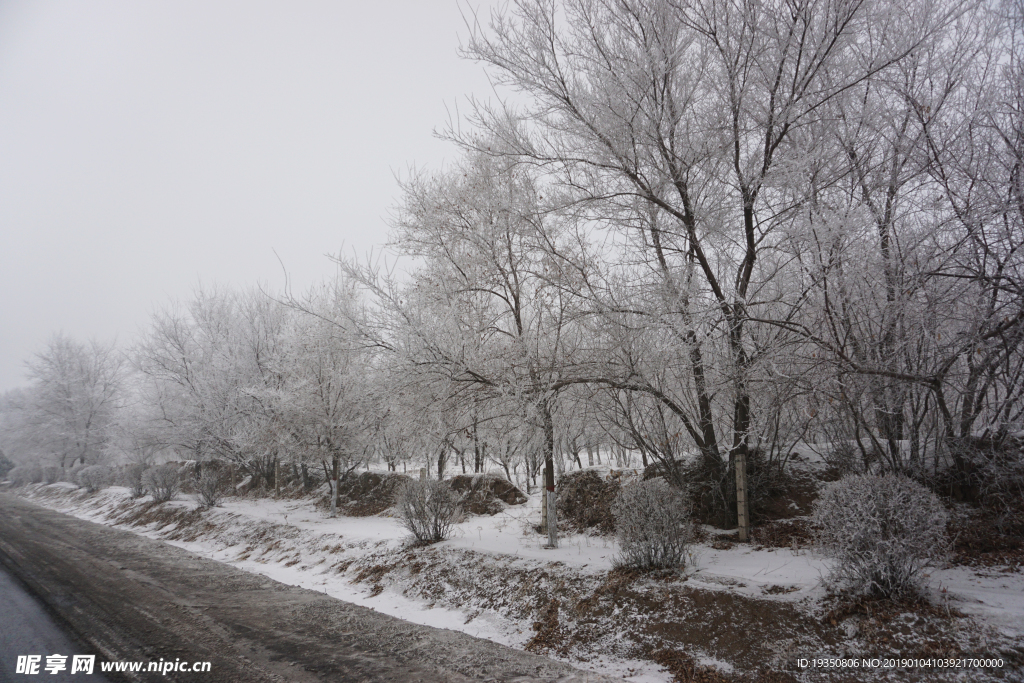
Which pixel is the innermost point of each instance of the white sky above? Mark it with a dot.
(149, 146)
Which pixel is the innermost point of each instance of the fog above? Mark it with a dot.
(149, 147)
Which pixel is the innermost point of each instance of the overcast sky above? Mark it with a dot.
(146, 147)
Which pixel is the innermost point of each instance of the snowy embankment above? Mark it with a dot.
(495, 580)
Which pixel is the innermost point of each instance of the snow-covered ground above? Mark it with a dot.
(355, 559)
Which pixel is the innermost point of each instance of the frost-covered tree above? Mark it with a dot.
(214, 380)
(911, 251)
(331, 385)
(68, 412)
(694, 133)
(485, 317)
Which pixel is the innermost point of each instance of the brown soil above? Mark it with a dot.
(785, 533)
(368, 493)
(585, 501)
(486, 494)
(791, 496)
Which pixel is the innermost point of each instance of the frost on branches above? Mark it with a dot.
(882, 531)
(652, 525)
(94, 477)
(162, 482)
(429, 509)
(209, 487)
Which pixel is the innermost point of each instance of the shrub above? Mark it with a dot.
(706, 483)
(652, 525)
(52, 474)
(881, 530)
(94, 477)
(986, 470)
(429, 509)
(25, 474)
(209, 487)
(843, 458)
(131, 477)
(162, 482)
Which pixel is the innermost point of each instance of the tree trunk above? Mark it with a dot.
(442, 458)
(548, 525)
(739, 463)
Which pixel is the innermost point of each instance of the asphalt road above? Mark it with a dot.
(124, 597)
(27, 629)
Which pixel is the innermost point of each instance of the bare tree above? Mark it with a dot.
(336, 411)
(485, 318)
(912, 256)
(76, 392)
(688, 125)
(215, 385)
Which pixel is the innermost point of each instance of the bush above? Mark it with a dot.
(131, 477)
(988, 471)
(94, 478)
(25, 474)
(52, 474)
(652, 525)
(162, 482)
(209, 487)
(843, 458)
(429, 509)
(881, 530)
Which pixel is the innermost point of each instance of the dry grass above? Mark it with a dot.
(685, 669)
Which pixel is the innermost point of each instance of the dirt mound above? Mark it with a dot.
(585, 501)
(368, 493)
(773, 493)
(486, 494)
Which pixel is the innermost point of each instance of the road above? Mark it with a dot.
(125, 597)
(26, 628)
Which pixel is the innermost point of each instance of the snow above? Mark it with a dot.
(995, 596)
(316, 543)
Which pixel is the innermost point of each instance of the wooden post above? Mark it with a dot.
(277, 478)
